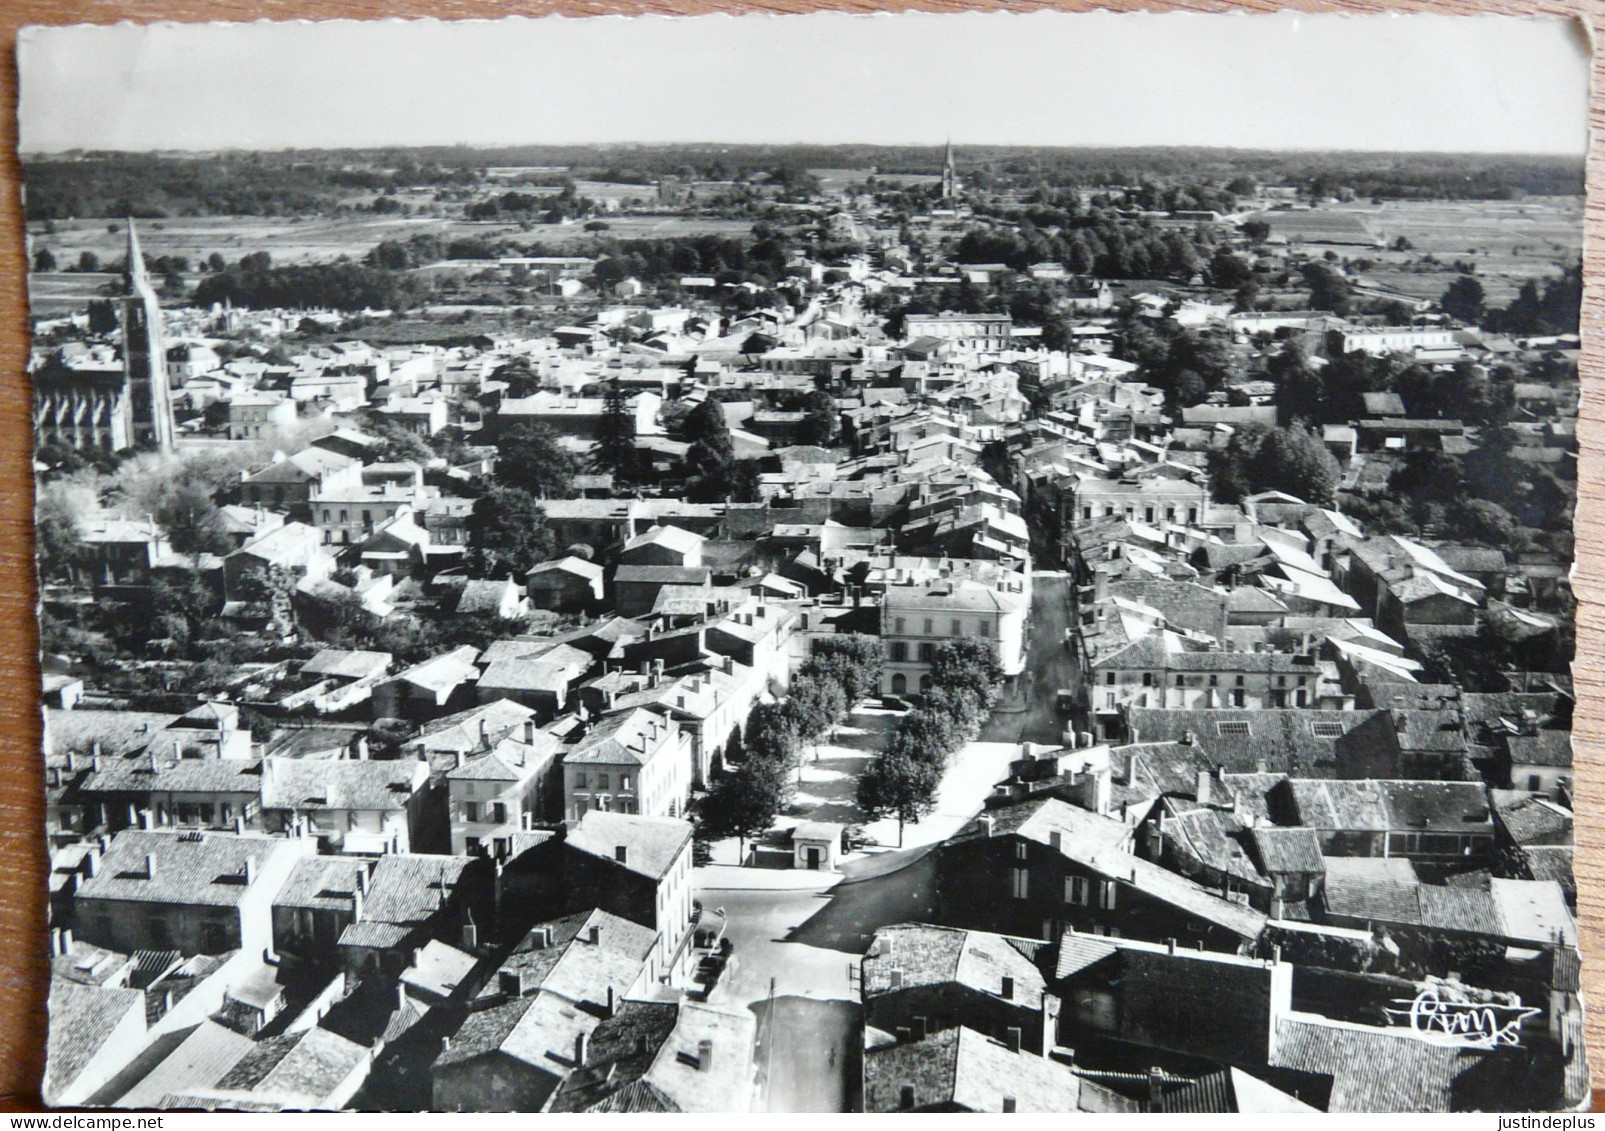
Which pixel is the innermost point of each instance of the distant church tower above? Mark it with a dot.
(149, 401)
(950, 176)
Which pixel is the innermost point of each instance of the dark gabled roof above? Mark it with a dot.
(1534, 820)
(1288, 850)
(620, 1052)
(1184, 604)
(1291, 740)
(1545, 748)
(926, 955)
(1372, 1070)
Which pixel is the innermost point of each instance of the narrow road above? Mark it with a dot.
(1049, 665)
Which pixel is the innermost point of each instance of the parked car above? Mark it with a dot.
(855, 839)
(894, 703)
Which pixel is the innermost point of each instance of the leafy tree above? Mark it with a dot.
(929, 735)
(1329, 290)
(215, 262)
(615, 450)
(853, 659)
(1463, 299)
(772, 735)
(58, 539)
(44, 260)
(1257, 231)
(1283, 459)
(191, 521)
(102, 316)
(969, 662)
(819, 419)
(521, 378)
(706, 425)
(1227, 271)
(88, 261)
(507, 533)
(530, 458)
(815, 705)
(743, 803)
(901, 785)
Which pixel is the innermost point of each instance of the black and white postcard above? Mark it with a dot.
(997, 563)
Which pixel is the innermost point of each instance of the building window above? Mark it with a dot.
(1019, 883)
(927, 652)
(899, 684)
(624, 782)
(983, 628)
(579, 781)
(1180, 682)
(958, 627)
(1147, 679)
(601, 781)
(1075, 890)
(897, 625)
(1106, 895)
(1020, 850)
(471, 811)
(899, 651)
(929, 626)
(1109, 678)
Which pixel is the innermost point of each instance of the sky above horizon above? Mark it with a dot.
(1481, 84)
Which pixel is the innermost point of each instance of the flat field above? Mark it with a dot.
(319, 238)
(1509, 241)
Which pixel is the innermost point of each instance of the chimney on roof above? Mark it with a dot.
(529, 732)
(239, 825)
(579, 1049)
(362, 748)
(356, 904)
(150, 866)
(621, 853)
(704, 1055)
(1011, 1038)
(986, 824)
(596, 934)
(250, 871)
(1007, 990)
(92, 863)
(459, 759)
(144, 819)
(484, 732)
(1203, 792)
(1401, 721)
(610, 1004)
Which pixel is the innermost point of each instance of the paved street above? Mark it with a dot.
(1049, 666)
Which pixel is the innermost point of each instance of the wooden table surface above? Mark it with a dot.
(23, 963)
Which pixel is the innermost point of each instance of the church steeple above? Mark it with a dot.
(950, 176)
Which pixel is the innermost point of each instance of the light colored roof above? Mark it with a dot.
(191, 868)
(82, 1019)
(670, 537)
(652, 844)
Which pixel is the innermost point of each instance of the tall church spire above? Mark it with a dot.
(950, 176)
